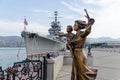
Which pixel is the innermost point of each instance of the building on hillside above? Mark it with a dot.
(111, 44)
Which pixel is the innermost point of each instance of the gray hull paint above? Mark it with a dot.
(37, 44)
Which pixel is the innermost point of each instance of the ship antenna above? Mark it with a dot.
(56, 14)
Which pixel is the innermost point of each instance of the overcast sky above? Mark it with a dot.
(38, 13)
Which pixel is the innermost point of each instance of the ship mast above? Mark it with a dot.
(56, 16)
(55, 26)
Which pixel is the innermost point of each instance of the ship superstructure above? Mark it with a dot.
(55, 26)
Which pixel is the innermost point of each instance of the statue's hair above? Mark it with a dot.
(81, 24)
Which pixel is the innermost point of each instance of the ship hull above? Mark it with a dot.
(36, 44)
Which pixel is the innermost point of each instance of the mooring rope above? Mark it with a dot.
(19, 49)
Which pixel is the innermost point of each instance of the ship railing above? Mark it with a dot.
(39, 55)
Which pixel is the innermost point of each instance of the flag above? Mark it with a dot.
(25, 22)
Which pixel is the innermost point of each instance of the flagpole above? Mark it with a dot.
(24, 28)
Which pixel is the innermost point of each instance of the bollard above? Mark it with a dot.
(90, 59)
(44, 68)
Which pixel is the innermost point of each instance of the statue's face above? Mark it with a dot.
(76, 28)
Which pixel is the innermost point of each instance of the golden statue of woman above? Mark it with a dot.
(80, 69)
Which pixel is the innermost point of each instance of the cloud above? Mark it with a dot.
(106, 14)
(75, 7)
(71, 7)
(107, 20)
(9, 28)
(70, 16)
(102, 3)
(39, 11)
(36, 27)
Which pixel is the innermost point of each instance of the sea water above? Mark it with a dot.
(10, 55)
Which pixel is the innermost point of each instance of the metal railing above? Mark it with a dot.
(26, 70)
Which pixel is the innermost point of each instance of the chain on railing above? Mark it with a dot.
(26, 70)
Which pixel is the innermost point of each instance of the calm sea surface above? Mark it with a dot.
(9, 55)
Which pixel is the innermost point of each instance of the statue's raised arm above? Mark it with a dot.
(87, 15)
(88, 25)
(90, 20)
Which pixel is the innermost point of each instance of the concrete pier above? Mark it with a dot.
(107, 61)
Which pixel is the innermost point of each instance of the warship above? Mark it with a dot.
(37, 44)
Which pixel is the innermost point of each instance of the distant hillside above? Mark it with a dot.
(103, 39)
(11, 41)
(15, 41)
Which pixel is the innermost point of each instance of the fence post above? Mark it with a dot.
(44, 68)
